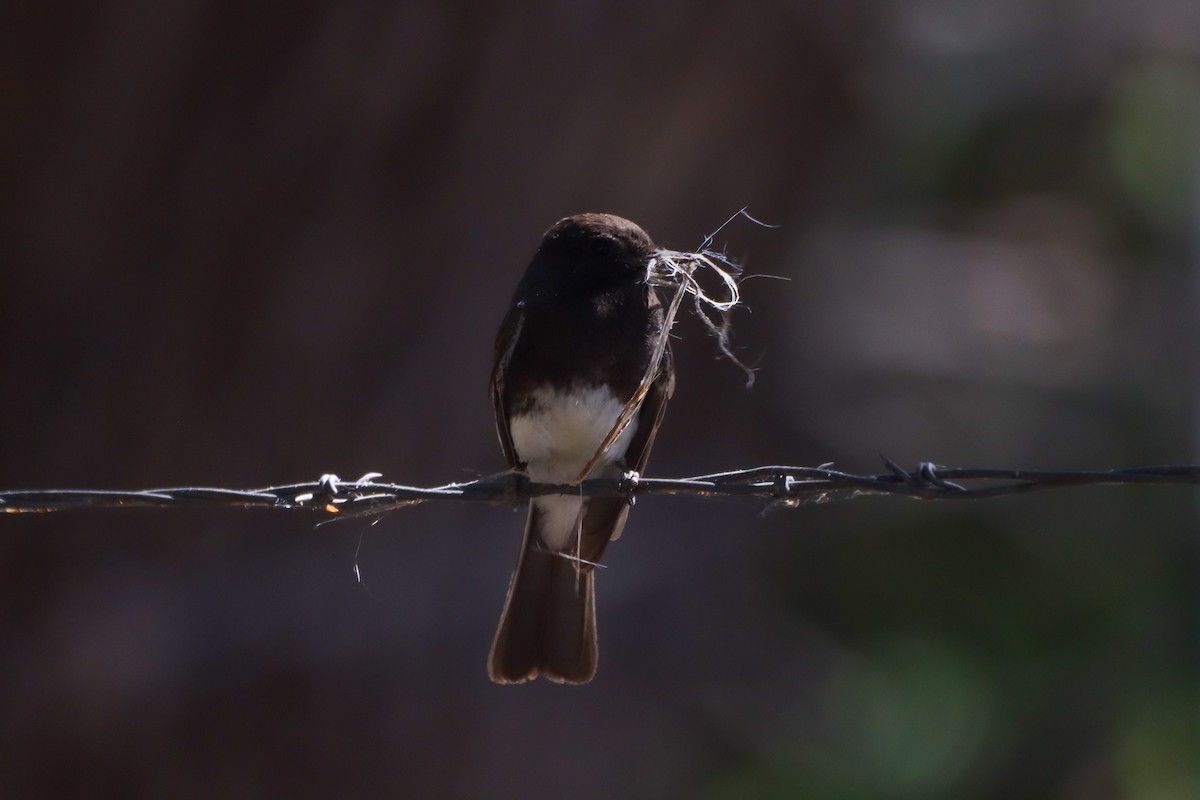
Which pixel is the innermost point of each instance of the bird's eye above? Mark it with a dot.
(602, 246)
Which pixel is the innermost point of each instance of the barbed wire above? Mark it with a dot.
(776, 486)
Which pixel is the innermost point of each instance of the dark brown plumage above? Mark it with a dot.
(572, 350)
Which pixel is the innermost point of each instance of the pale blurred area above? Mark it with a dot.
(251, 243)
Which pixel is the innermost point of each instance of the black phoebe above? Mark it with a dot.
(574, 347)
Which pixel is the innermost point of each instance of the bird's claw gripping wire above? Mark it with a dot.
(629, 485)
(518, 487)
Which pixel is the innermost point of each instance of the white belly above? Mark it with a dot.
(558, 437)
(562, 431)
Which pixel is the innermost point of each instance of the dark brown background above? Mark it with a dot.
(249, 243)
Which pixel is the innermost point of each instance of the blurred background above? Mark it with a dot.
(250, 243)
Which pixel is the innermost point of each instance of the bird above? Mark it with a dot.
(583, 330)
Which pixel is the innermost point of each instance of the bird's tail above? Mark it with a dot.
(548, 626)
